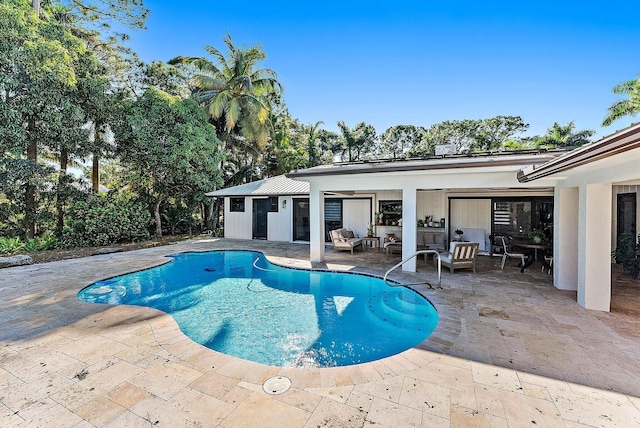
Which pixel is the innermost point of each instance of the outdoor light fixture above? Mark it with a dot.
(284, 203)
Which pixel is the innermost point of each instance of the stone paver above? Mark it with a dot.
(510, 350)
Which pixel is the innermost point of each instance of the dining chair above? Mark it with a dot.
(549, 261)
(509, 254)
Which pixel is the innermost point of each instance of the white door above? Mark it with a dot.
(356, 215)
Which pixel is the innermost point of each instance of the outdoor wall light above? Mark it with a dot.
(284, 203)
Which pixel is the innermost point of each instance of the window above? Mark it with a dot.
(391, 210)
(332, 215)
(273, 204)
(237, 205)
(517, 217)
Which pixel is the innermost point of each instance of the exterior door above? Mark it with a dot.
(260, 209)
(626, 214)
(301, 225)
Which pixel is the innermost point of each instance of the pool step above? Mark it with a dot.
(393, 309)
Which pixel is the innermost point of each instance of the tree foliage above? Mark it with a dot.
(625, 107)
(399, 141)
(42, 65)
(563, 136)
(237, 94)
(493, 133)
(357, 142)
(168, 147)
(106, 219)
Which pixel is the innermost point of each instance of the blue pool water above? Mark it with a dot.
(238, 303)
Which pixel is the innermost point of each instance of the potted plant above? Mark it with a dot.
(458, 234)
(536, 236)
(370, 230)
(379, 216)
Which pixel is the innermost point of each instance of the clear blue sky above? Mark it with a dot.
(420, 62)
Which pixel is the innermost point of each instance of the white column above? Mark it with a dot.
(565, 239)
(316, 226)
(594, 247)
(409, 226)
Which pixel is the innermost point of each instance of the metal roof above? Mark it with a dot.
(279, 185)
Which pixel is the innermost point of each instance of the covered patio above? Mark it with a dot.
(479, 176)
(582, 183)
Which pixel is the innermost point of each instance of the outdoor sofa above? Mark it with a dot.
(344, 240)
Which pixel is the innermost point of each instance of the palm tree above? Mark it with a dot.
(312, 129)
(237, 95)
(625, 107)
(358, 142)
(563, 136)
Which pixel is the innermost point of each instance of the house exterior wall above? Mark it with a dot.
(356, 215)
(238, 225)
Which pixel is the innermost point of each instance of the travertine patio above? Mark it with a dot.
(510, 350)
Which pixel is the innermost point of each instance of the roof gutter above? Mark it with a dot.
(614, 144)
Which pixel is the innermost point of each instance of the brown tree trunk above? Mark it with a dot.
(204, 214)
(95, 168)
(156, 215)
(64, 161)
(95, 174)
(215, 213)
(30, 191)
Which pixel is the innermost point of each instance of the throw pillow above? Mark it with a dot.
(349, 234)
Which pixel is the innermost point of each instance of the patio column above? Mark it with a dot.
(565, 239)
(316, 224)
(409, 226)
(594, 247)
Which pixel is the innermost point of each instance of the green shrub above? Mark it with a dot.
(11, 245)
(628, 254)
(105, 220)
(14, 245)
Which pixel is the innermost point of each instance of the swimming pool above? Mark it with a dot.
(238, 303)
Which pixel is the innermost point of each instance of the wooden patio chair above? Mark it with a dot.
(461, 255)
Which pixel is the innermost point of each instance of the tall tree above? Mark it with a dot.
(168, 147)
(493, 133)
(237, 94)
(39, 61)
(625, 107)
(314, 155)
(563, 136)
(359, 142)
(459, 133)
(239, 98)
(399, 140)
(128, 13)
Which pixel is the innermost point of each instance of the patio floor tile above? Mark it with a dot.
(509, 350)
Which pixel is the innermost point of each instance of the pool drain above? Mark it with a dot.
(276, 385)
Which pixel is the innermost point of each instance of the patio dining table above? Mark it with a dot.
(539, 251)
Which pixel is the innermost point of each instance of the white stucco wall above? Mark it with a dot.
(279, 225)
(237, 225)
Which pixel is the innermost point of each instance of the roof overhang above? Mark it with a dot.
(455, 163)
(609, 146)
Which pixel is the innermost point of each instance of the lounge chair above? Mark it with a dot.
(461, 255)
(344, 240)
